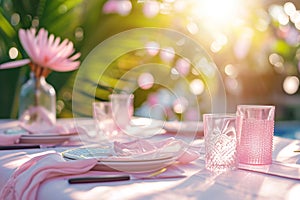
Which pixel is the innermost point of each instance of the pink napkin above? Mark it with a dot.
(25, 181)
(167, 147)
(9, 139)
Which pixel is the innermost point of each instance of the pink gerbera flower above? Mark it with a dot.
(46, 53)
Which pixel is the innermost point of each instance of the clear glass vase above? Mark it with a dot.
(37, 101)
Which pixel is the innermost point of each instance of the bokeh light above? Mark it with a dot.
(192, 27)
(289, 8)
(277, 61)
(180, 105)
(197, 86)
(206, 68)
(182, 66)
(152, 48)
(62, 9)
(218, 13)
(218, 43)
(231, 71)
(15, 19)
(151, 8)
(167, 54)
(233, 86)
(13, 53)
(145, 81)
(35, 22)
(291, 84)
(277, 12)
(122, 8)
(79, 33)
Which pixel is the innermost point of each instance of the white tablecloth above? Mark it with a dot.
(199, 183)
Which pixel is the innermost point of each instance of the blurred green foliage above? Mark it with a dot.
(63, 18)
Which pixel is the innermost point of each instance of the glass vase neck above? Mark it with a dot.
(40, 78)
(37, 101)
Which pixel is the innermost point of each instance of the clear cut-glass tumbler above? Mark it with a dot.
(220, 139)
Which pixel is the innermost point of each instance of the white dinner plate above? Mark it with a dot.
(107, 162)
(134, 166)
(45, 138)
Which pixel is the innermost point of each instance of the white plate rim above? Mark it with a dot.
(136, 167)
(112, 159)
(50, 139)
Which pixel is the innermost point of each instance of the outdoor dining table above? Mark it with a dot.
(198, 183)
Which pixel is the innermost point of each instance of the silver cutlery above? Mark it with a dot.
(111, 178)
(122, 177)
(19, 146)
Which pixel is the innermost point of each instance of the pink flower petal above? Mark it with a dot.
(24, 41)
(56, 43)
(67, 50)
(62, 45)
(42, 43)
(14, 64)
(51, 40)
(76, 56)
(55, 61)
(70, 66)
(62, 55)
(32, 44)
(58, 58)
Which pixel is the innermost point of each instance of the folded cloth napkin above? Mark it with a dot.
(9, 139)
(169, 147)
(25, 181)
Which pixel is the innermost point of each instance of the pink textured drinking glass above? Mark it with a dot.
(220, 139)
(257, 130)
